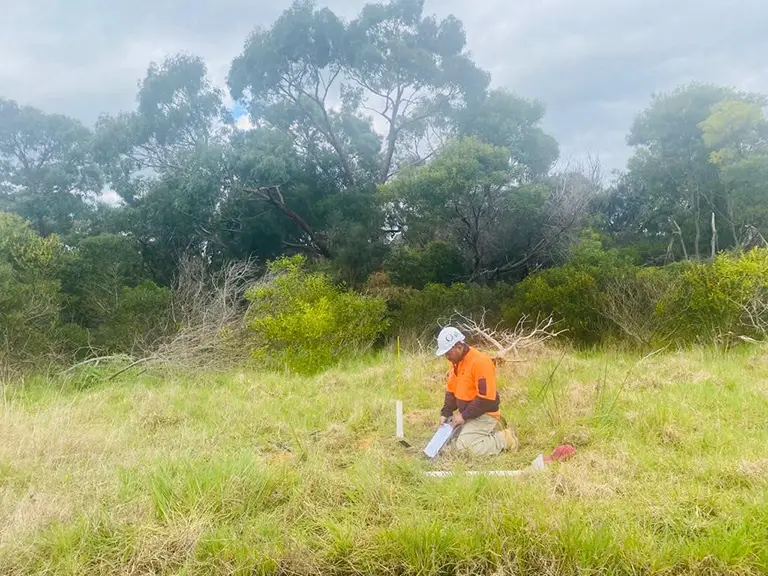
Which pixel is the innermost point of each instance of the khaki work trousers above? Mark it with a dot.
(480, 436)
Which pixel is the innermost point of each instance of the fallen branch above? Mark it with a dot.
(110, 358)
(131, 365)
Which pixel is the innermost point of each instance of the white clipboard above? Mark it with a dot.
(439, 440)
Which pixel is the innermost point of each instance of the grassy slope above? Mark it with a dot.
(254, 473)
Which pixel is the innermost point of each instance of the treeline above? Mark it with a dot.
(377, 151)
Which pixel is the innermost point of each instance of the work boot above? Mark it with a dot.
(513, 443)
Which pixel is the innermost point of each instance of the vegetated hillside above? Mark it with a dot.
(433, 185)
(253, 473)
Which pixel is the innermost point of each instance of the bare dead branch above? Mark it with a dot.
(753, 238)
(573, 189)
(208, 311)
(524, 336)
(96, 361)
(754, 315)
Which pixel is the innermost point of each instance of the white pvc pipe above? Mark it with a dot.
(444, 474)
(399, 417)
(536, 465)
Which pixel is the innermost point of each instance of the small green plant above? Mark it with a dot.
(302, 321)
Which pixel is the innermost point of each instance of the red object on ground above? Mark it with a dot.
(562, 452)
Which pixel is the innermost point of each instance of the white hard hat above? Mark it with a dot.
(447, 339)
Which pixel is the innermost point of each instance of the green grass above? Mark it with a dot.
(251, 473)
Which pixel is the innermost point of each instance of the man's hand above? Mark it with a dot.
(458, 420)
(442, 421)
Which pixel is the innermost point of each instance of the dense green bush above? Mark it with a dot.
(572, 292)
(302, 321)
(95, 272)
(438, 263)
(714, 300)
(90, 298)
(420, 313)
(567, 293)
(602, 295)
(106, 294)
(30, 295)
(138, 319)
(64, 302)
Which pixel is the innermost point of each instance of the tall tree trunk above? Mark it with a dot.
(670, 254)
(731, 221)
(697, 221)
(679, 232)
(386, 163)
(713, 245)
(349, 175)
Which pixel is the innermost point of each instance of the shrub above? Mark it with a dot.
(140, 317)
(438, 263)
(102, 279)
(419, 314)
(572, 293)
(30, 296)
(567, 293)
(602, 296)
(94, 275)
(633, 301)
(74, 342)
(302, 321)
(713, 298)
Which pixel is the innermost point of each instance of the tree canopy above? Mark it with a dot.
(374, 145)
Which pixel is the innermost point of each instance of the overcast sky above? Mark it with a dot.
(594, 63)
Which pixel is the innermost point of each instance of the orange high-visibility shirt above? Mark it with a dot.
(474, 377)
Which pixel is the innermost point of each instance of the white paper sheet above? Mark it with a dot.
(442, 436)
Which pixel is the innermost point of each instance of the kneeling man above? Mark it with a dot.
(471, 400)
